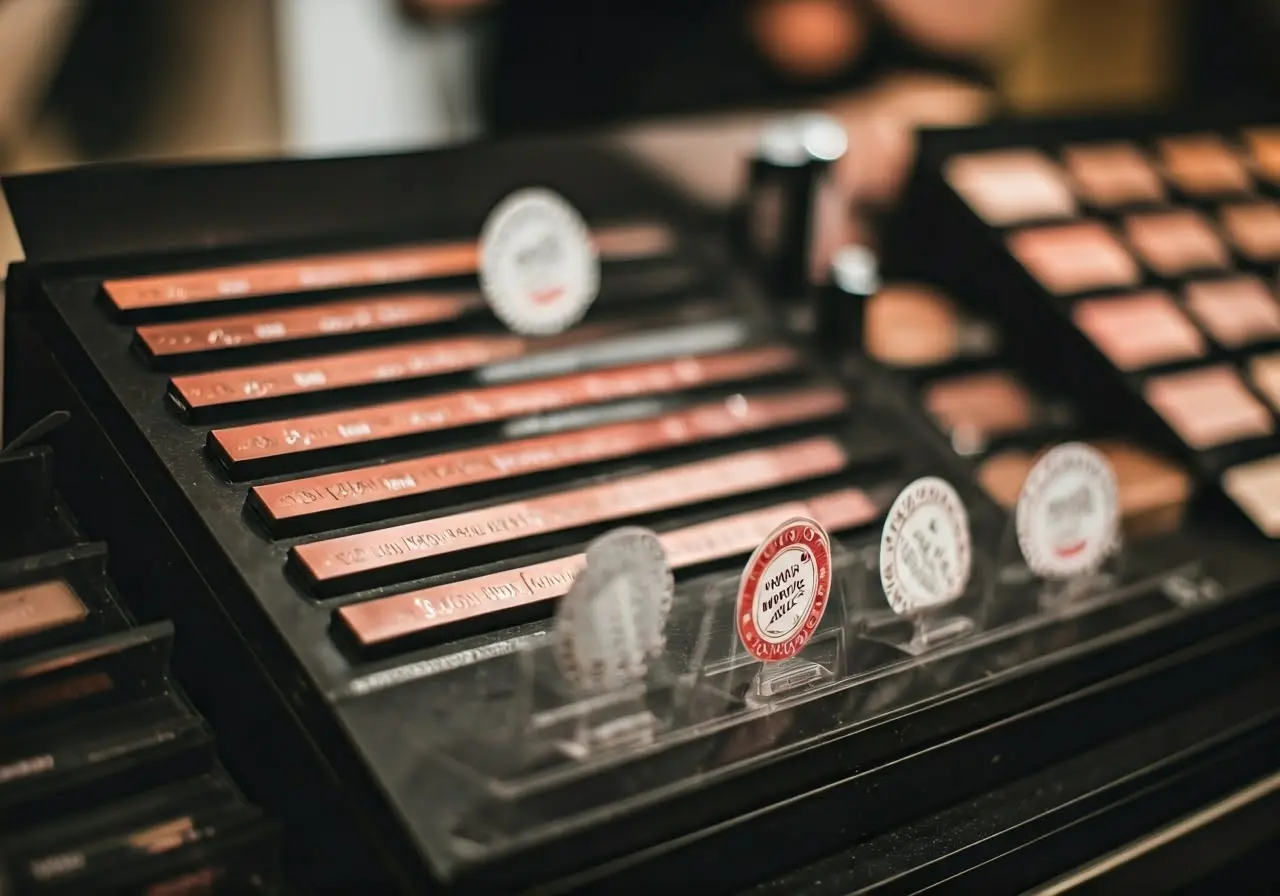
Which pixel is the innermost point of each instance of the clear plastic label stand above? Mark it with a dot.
(1015, 579)
(925, 572)
(555, 716)
(604, 680)
(781, 628)
(601, 681)
(1063, 542)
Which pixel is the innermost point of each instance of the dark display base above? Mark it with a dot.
(1167, 806)
(349, 750)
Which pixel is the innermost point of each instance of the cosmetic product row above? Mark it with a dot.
(109, 780)
(1146, 269)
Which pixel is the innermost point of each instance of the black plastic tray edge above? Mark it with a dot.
(836, 783)
(1042, 825)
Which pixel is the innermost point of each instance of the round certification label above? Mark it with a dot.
(925, 549)
(539, 269)
(1067, 515)
(613, 620)
(784, 590)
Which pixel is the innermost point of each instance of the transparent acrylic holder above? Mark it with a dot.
(1129, 572)
(918, 633)
(726, 669)
(552, 716)
(515, 756)
(550, 727)
(1015, 580)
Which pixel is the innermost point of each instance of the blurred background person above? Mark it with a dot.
(84, 80)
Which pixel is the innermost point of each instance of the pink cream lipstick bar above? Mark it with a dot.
(230, 285)
(269, 448)
(386, 555)
(350, 496)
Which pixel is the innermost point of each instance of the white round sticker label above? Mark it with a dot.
(925, 549)
(539, 269)
(1067, 515)
(613, 620)
(784, 590)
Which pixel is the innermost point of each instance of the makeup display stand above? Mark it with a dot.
(350, 665)
(109, 781)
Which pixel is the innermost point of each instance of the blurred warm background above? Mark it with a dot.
(84, 80)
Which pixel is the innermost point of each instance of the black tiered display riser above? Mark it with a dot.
(111, 782)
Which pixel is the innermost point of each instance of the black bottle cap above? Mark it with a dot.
(842, 303)
(789, 177)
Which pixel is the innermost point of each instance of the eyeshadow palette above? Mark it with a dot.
(323, 452)
(993, 416)
(1140, 259)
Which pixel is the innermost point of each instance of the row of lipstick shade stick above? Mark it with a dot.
(339, 559)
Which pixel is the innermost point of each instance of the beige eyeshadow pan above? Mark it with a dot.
(1110, 175)
(1003, 474)
(911, 325)
(1236, 311)
(1255, 489)
(1264, 370)
(1209, 406)
(1139, 330)
(1075, 258)
(1264, 151)
(1011, 186)
(1153, 491)
(1202, 165)
(1176, 243)
(30, 609)
(974, 408)
(1254, 229)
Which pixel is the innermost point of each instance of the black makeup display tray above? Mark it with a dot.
(969, 258)
(345, 748)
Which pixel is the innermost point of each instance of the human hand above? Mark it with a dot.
(437, 9)
(882, 123)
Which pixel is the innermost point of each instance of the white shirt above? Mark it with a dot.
(359, 76)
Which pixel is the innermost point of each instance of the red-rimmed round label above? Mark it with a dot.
(784, 591)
